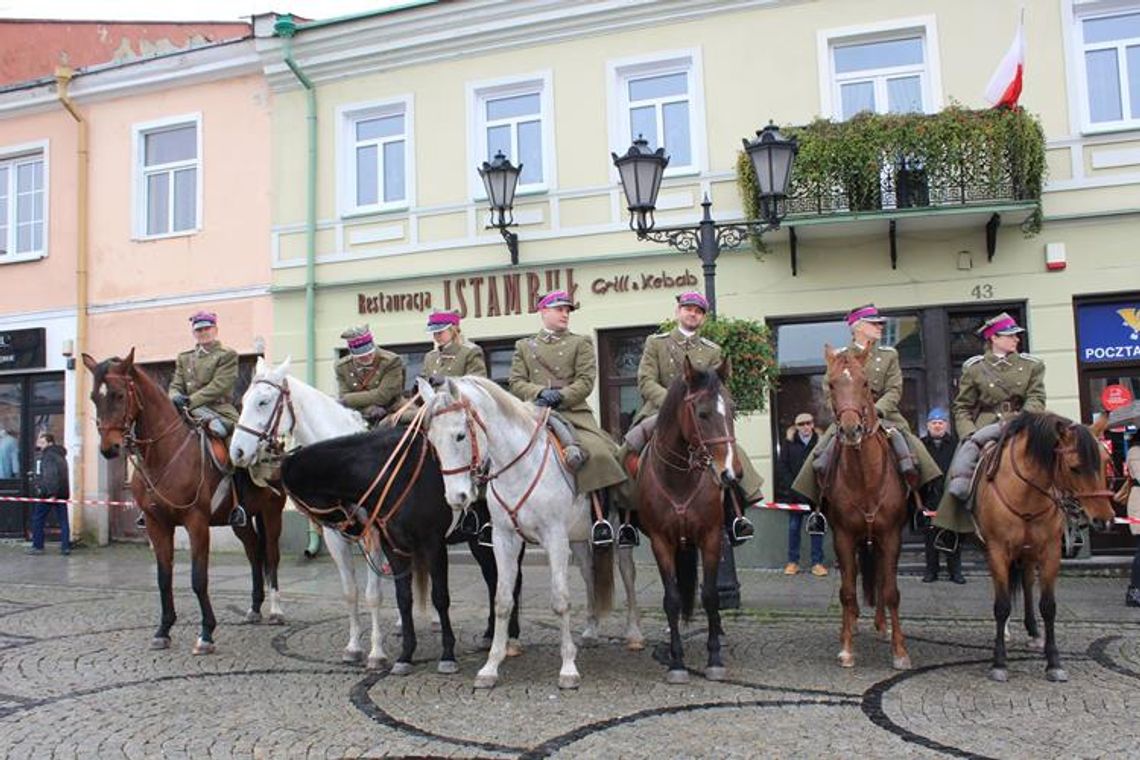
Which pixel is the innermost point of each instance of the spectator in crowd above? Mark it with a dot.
(1132, 599)
(800, 441)
(941, 443)
(50, 481)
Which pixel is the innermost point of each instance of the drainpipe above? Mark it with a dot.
(286, 29)
(63, 75)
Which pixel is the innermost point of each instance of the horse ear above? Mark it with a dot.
(423, 387)
(724, 370)
(1100, 424)
(688, 371)
(259, 368)
(283, 367)
(129, 362)
(89, 362)
(829, 353)
(865, 354)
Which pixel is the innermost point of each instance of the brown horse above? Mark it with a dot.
(173, 483)
(1044, 469)
(866, 500)
(680, 482)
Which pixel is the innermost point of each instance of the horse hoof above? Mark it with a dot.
(377, 663)
(485, 682)
(635, 645)
(569, 682)
(447, 667)
(276, 618)
(1057, 675)
(846, 660)
(901, 663)
(350, 657)
(1001, 675)
(884, 634)
(677, 677)
(514, 648)
(203, 647)
(252, 617)
(1037, 644)
(401, 668)
(160, 642)
(716, 673)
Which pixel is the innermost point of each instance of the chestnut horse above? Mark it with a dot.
(680, 483)
(173, 483)
(1044, 469)
(866, 503)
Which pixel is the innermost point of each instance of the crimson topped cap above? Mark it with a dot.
(203, 319)
(693, 298)
(359, 340)
(1002, 324)
(867, 313)
(556, 298)
(438, 321)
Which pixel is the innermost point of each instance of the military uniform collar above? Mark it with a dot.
(549, 336)
(685, 340)
(207, 348)
(996, 360)
(449, 349)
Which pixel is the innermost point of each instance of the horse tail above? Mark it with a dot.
(420, 578)
(603, 579)
(686, 565)
(867, 568)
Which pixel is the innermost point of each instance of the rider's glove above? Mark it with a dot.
(181, 401)
(549, 397)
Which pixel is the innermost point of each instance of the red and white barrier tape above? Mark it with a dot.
(84, 502)
(787, 507)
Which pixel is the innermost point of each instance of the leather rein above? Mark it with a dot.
(873, 429)
(270, 435)
(698, 459)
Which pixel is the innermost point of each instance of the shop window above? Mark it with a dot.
(619, 355)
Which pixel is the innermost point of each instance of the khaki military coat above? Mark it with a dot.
(207, 375)
(568, 363)
(379, 383)
(884, 376)
(663, 360)
(994, 388)
(455, 359)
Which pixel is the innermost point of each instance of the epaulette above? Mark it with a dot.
(888, 348)
(841, 349)
(1031, 358)
(187, 351)
(972, 361)
(660, 335)
(709, 343)
(469, 344)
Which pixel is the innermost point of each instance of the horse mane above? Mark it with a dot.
(702, 380)
(510, 406)
(1044, 431)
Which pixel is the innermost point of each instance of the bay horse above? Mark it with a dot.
(532, 499)
(1043, 470)
(680, 483)
(866, 503)
(173, 483)
(278, 410)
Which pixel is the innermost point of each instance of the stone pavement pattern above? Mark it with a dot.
(77, 678)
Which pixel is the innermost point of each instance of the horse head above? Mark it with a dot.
(706, 418)
(116, 400)
(459, 438)
(266, 413)
(851, 402)
(1083, 466)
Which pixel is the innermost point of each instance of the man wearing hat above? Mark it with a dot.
(452, 356)
(369, 379)
(556, 368)
(800, 439)
(884, 376)
(994, 386)
(941, 443)
(662, 360)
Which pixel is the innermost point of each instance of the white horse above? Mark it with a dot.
(275, 406)
(532, 498)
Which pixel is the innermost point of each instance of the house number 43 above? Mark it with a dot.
(982, 291)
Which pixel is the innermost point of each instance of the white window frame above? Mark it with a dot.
(11, 155)
(1076, 13)
(478, 93)
(347, 117)
(618, 74)
(139, 171)
(925, 27)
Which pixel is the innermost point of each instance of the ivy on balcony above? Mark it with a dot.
(885, 162)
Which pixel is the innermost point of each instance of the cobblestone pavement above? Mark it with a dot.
(77, 678)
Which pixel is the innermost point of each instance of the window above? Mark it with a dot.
(514, 116)
(661, 100)
(1110, 62)
(375, 158)
(22, 210)
(169, 165)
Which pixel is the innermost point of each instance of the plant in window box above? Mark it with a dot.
(748, 344)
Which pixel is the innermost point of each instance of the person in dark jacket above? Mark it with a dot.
(50, 481)
(941, 443)
(801, 440)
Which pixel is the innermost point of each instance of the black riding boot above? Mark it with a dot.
(954, 567)
(739, 528)
(931, 553)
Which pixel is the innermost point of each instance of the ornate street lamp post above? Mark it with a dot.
(642, 169)
(501, 178)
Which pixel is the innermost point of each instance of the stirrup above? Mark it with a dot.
(469, 522)
(946, 541)
(816, 524)
(140, 521)
(742, 531)
(484, 537)
(238, 517)
(602, 534)
(627, 536)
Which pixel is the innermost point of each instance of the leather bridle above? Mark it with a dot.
(698, 458)
(272, 435)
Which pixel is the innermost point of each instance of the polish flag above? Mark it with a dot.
(1005, 85)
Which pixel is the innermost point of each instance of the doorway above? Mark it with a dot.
(29, 405)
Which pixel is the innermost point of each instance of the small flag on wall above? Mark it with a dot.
(1005, 85)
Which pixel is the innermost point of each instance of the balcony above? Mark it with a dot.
(958, 168)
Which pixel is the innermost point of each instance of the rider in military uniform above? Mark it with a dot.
(556, 369)
(203, 384)
(452, 356)
(994, 386)
(662, 360)
(369, 380)
(884, 376)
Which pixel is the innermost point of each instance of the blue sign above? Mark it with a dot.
(1108, 332)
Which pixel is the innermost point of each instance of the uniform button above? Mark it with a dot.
(991, 385)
